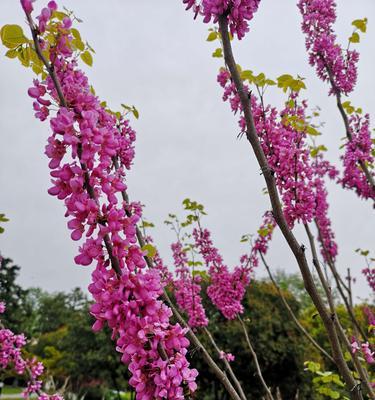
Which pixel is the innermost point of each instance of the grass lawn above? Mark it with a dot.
(11, 390)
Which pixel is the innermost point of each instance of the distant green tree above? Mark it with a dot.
(13, 295)
(64, 341)
(280, 348)
(293, 283)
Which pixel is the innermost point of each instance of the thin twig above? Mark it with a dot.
(291, 313)
(226, 363)
(340, 284)
(255, 358)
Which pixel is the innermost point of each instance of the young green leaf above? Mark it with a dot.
(87, 58)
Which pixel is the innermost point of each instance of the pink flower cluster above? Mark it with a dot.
(228, 356)
(141, 323)
(284, 144)
(227, 289)
(358, 149)
(11, 357)
(27, 5)
(365, 348)
(326, 237)
(369, 274)
(298, 177)
(187, 288)
(265, 233)
(370, 317)
(238, 12)
(85, 141)
(332, 62)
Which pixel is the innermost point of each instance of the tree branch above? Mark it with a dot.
(297, 249)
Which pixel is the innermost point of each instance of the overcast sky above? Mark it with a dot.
(155, 56)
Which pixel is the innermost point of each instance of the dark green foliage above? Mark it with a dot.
(279, 346)
(13, 295)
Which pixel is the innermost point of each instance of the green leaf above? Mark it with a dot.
(212, 36)
(132, 109)
(3, 218)
(312, 366)
(37, 69)
(360, 24)
(59, 15)
(194, 263)
(12, 36)
(218, 53)
(87, 58)
(297, 85)
(150, 249)
(263, 232)
(315, 150)
(349, 109)
(12, 53)
(202, 274)
(312, 131)
(247, 75)
(135, 112)
(24, 55)
(146, 224)
(354, 38)
(259, 80)
(75, 33)
(78, 44)
(270, 82)
(283, 80)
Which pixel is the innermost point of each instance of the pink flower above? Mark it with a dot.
(238, 12)
(227, 289)
(27, 5)
(332, 62)
(85, 138)
(187, 289)
(228, 356)
(358, 149)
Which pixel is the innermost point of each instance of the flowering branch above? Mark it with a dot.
(298, 250)
(369, 175)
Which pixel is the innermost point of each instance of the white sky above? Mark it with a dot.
(154, 55)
